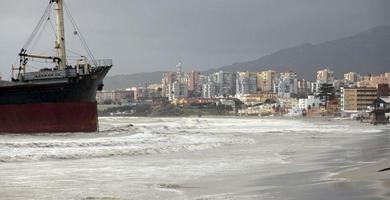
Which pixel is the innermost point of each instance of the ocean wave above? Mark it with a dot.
(133, 145)
(124, 136)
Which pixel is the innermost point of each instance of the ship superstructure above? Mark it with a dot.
(61, 98)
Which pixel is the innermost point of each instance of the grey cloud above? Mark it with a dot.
(152, 35)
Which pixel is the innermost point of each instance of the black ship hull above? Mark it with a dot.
(51, 107)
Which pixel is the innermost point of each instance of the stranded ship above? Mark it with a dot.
(61, 98)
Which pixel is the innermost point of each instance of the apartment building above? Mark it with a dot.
(357, 99)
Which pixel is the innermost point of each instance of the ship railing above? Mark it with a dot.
(102, 62)
(48, 74)
(44, 75)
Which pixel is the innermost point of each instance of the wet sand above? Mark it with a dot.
(349, 173)
(377, 173)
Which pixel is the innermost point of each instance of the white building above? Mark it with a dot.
(179, 90)
(208, 90)
(309, 101)
(287, 85)
(351, 77)
(167, 80)
(325, 76)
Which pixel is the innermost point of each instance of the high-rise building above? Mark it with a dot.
(179, 90)
(246, 83)
(351, 77)
(304, 86)
(174, 85)
(266, 80)
(357, 99)
(383, 90)
(203, 79)
(179, 87)
(167, 80)
(313, 87)
(192, 80)
(208, 86)
(225, 83)
(374, 80)
(287, 85)
(259, 81)
(325, 76)
(193, 83)
(208, 90)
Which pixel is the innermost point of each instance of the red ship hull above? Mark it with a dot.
(49, 117)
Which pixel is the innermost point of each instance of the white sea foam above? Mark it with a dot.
(170, 158)
(122, 136)
(118, 139)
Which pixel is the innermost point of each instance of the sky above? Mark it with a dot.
(153, 35)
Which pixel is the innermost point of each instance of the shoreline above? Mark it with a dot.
(237, 159)
(356, 177)
(368, 166)
(300, 118)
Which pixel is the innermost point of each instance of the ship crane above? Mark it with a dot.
(24, 59)
(59, 59)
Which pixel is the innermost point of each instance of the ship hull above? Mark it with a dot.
(51, 108)
(49, 117)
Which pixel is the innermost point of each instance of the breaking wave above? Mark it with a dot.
(121, 136)
(115, 140)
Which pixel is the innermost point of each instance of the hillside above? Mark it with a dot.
(131, 80)
(366, 52)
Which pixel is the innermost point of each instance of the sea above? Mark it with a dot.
(194, 158)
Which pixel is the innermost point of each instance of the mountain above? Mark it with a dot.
(131, 80)
(366, 52)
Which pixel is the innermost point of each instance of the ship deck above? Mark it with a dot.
(6, 83)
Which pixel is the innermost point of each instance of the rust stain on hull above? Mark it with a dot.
(49, 117)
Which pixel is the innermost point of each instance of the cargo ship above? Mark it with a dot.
(58, 98)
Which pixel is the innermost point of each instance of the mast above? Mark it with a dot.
(60, 42)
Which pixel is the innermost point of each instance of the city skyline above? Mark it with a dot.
(257, 93)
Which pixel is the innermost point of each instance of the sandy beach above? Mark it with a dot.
(377, 172)
(352, 172)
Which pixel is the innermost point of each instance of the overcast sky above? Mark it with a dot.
(152, 35)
